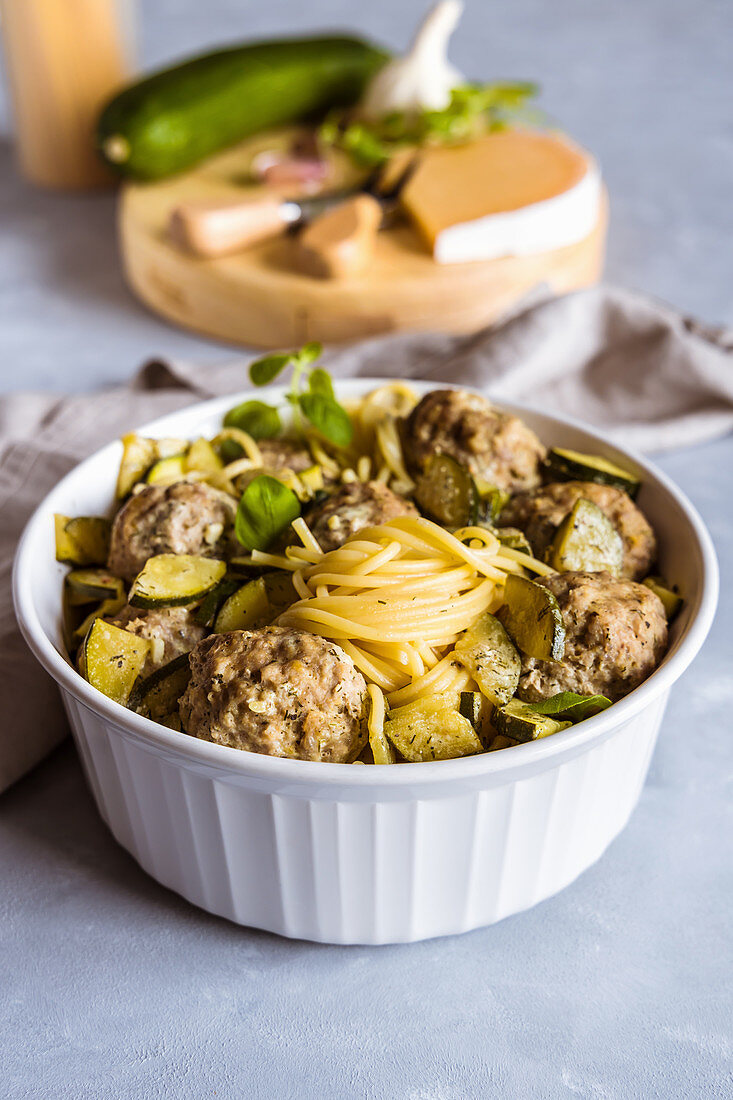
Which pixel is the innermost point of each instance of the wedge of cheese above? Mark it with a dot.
(510, 193)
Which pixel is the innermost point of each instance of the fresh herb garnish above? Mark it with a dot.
(311, 391)
(570, 706)
(474, 109)
(266, 509)
(257, 419)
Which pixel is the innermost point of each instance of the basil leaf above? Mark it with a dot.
(266, 509)
(570, 706)
(320, 382)
(265, 370)
(259, 420)
(325, 414)
(309, 353)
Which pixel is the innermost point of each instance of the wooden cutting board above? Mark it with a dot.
(257, 298)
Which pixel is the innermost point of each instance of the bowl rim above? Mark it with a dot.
(260, 766)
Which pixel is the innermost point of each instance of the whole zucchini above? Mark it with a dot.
(175, 118)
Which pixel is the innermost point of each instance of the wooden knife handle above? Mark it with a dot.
(340, 242)
(211, 229)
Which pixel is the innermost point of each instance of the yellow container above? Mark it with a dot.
(64, 60)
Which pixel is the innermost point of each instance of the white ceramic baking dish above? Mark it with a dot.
(345, 854)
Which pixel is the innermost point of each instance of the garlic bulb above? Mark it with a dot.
(423, 79)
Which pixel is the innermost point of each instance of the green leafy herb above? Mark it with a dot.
(570, 706)
(474, 109)
(328, 417)
(265, 370)
(259, 420)
(319, 381)
(266, 509)
(318, 403)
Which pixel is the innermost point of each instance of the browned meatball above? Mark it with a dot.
(284, 454)
(171, 630)
(354, 506)
(185, 518)
(496, 447)
(616, 635)
(539, 513)
(276, 691)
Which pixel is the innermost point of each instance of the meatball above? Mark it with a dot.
(284, 454)
(616, 635)
(356, 505)
(184, 518)
(171, 630)
(497, 448)
(539, 513)
(276, 691)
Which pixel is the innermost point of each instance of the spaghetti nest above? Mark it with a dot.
(396, 598)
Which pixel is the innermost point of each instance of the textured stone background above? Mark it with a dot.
(619, 987)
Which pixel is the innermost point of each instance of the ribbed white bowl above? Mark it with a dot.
(345, 854)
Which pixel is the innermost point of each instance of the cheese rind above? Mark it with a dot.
(512, 193)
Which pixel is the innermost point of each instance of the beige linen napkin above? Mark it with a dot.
(650, 377)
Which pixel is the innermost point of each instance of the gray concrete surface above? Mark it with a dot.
(620, 987)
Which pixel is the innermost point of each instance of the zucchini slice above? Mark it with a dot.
(207, 610)
(83, 540)
(514, 539)
(502, 742)
(157, 695)
(492, 501)
(88, 585)
(476, 707)
(166, 471)
(113, 659)
(587, 542)
(138, 455)
(280, 591)
(246, 609)
(564, 465)
(446, 492)
(202, 458)
(671, 599)
(519, 722)
(571, 706)
(170, 580)
(488, 653)
(432, 729)
(533, 619)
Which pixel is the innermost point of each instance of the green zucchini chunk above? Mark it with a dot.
(89, 585)
(587, 542)
(157, 695)
(166, 471)
(113, 659)
(671, 600)
(83, 540)
(475, 706)
(432, 729)
(208, 609)
(516, 720)
(514, 539)
(571, 706)
(138, 456)
(202, 458)
(246, 609)
(492, 501)
(171, 580)
(565, 465)
(533, 619)
(488, 653)
(177, 117)
(446, 492)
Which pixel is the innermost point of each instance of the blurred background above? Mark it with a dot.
(645, 84)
